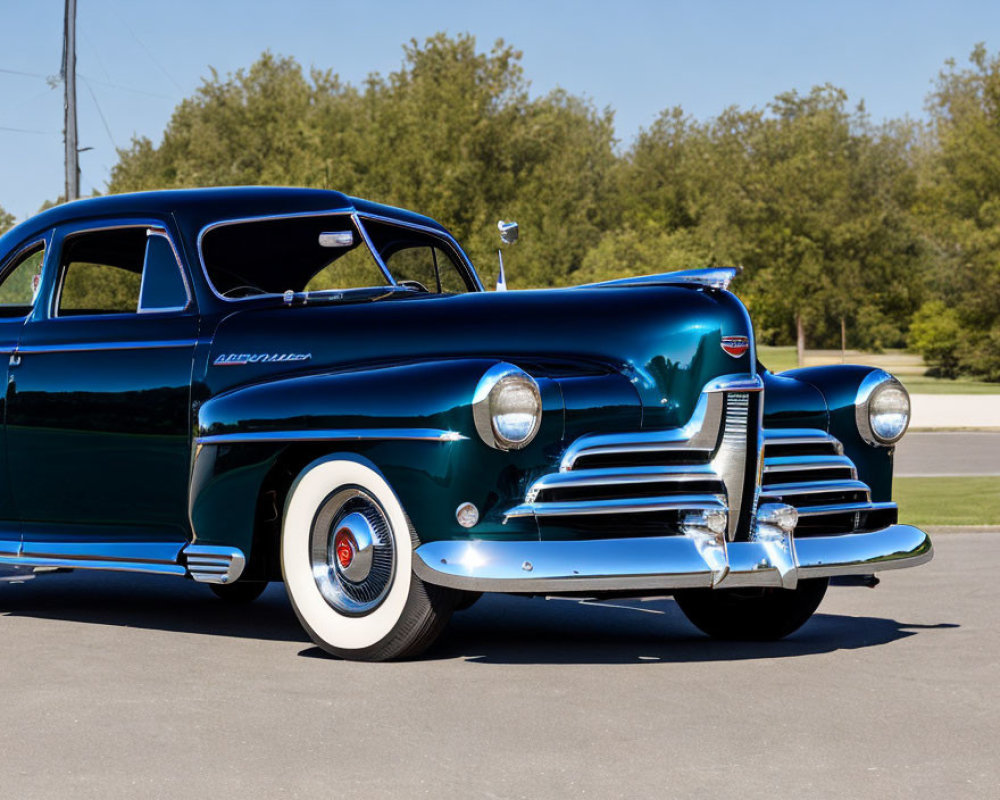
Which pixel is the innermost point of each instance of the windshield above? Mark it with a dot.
(326, 253)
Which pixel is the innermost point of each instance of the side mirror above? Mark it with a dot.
(508, 235)
(508, 231)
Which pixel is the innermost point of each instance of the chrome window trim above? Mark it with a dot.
(347, 212)
(333, 435)
(463, 257)
(162, 232)
(151, 227)
(358, 219)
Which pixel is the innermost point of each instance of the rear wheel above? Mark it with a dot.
(752, 614)
(346, 555)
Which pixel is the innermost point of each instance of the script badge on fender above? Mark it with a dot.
(735, 345)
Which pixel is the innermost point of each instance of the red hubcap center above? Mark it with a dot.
(343, 545)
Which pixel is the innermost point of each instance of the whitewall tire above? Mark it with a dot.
(346, 556)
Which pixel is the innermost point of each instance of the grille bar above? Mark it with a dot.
(807, 468)
(623, 478)
(685, 503)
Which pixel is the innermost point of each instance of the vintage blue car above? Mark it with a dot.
(257, 384)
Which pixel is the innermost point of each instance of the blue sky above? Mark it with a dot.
(139, 59)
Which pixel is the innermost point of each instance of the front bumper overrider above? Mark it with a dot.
(774, 558)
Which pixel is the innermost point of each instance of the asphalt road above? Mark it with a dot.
(948, 453)
(115, 686)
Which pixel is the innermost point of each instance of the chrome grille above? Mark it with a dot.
(807, 468)
(700, 467)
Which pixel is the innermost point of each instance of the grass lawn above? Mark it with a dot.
(948, 501)
(904, 366)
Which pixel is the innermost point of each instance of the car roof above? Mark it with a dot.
(199, 207)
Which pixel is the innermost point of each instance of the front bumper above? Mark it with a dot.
(666, 563)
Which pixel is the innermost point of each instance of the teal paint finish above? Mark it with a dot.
(102, 413)
(628, 330)
(791, 403)
(108, 425)
(839, 386)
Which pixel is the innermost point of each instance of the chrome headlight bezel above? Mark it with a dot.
(484, 405)
(875, 384)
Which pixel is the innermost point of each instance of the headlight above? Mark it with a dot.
(882, 409)
(507, 407)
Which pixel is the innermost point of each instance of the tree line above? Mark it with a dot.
(851, 232)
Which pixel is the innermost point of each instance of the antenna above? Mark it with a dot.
(69, 81)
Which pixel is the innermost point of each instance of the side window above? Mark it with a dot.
(412, 255)
(163, 286)
(119, 271)
(20, 281)
(100, 272)
(429, 266)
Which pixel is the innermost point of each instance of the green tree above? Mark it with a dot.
(452, 133)
(959, 205)
(6, 220)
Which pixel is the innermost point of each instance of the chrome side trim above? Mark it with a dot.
(211, 564)
(640, 505)
(339, 435)
(10, 547)
(85, 563)
(73, 347)
(662, 563)
(204, 563)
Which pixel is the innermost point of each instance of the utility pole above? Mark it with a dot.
(69, 81)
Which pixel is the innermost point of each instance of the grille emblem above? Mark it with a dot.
(735, 345)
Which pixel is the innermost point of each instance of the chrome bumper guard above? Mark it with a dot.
(697, 559)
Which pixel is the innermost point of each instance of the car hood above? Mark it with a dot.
(666, 340)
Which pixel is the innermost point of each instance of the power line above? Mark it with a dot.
(124, 88)
(100, 112)
(28, 130)
(149, 54)
(23, 74)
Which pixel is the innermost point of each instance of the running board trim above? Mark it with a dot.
(202, 563)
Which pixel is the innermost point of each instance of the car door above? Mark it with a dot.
(20, 275)
(98, 397)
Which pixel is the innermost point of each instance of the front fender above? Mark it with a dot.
(839, 384)
(413, 421)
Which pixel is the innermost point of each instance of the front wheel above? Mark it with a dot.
(752, 614)
(346, 556)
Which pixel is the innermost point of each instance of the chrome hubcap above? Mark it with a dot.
(351, 547)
